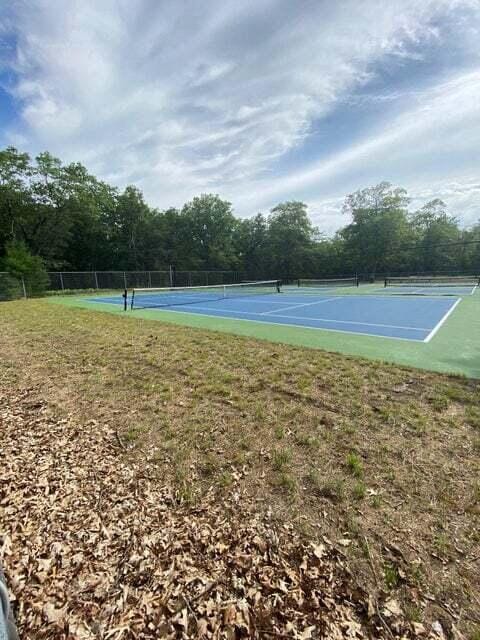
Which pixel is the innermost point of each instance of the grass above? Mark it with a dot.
(392, 578)
(354, 465)
(359, 490)
(473, 417)
(455, 348)
(308, 434)
(281, 459)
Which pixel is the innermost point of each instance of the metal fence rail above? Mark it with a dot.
(65, 282)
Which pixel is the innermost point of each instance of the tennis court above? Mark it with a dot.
(428, 286)
(324, 307)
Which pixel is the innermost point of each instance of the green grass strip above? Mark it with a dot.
(455, 348)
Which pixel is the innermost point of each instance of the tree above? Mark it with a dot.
(211, 226)
(22, 265)
(328, 258)
(71, 220)
(129, 228)
(89, 205)
(439, 238)
(291, 236)
(171, 239)
(252, 247)
(472, 250)
(14, 173)
(376, 238)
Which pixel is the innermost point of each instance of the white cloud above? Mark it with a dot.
(188, 97)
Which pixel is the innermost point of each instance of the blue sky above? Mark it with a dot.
(260, 101)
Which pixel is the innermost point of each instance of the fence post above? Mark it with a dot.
(61, 281)
(24, 288)
(149, 279)
(96, 279)
(125, 279)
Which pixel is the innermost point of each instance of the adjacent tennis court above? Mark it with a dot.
(435, 285)
(319, 307)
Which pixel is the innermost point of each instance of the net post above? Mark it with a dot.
(385, 282)
(279, 284)
(132, 299)
(125, 298)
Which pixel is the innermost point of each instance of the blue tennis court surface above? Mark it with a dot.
(401, 317)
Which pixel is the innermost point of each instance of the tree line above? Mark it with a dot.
(60, 216)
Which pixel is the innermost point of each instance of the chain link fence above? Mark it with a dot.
(74, 282)
(11, 288)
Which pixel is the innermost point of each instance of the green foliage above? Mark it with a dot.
(291, 237)
(21, 264)
(210, 227)
(76, 222)
(379, 229)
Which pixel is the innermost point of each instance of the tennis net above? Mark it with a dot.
(328, 283)
(433, 281)
(171, 296)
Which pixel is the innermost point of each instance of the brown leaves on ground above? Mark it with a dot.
(93, 547)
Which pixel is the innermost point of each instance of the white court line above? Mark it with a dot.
(288, 324)
(296, 306)
(437, 327)
(255, 300)
(365, 324)
(352, 322)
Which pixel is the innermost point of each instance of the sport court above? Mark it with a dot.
(317, 306)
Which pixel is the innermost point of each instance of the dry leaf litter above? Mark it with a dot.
(94, 547)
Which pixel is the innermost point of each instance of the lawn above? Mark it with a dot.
(454, 349)
(380, 462)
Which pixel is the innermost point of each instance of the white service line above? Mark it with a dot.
(365, 324)
(255, 300)
(296, 306)
(437, 327)
(351, 322)
(289, 325)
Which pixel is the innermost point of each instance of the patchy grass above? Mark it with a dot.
(359, 490)
(309, 435)
(354, 465)
(281, 459)
(473, 416)
(392, 578)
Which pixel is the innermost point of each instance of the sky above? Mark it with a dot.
(260, 101)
